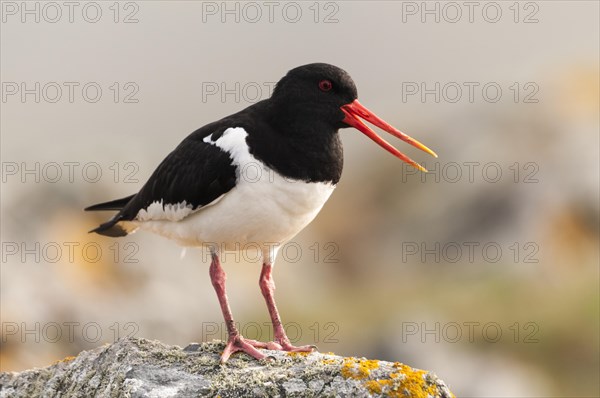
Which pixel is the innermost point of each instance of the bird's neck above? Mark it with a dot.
(299, 150)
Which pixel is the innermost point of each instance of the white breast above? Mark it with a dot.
(262, 208)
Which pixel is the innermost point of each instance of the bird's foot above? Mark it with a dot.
(237, 343)
(282, 345)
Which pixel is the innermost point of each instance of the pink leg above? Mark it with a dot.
(282, 342)
(235, 341)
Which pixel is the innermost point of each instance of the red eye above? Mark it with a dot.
(325, 85)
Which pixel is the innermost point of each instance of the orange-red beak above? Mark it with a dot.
(355, 109)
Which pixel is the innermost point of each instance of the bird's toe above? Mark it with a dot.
(239, 344)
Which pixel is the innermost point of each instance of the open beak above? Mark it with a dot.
(355, 109)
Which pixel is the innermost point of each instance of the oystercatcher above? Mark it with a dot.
(256, 177)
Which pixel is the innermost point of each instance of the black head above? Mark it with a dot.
(316, 90)
(321, 98)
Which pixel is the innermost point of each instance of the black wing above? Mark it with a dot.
(195, 172)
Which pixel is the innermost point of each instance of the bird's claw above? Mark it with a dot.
(270, 359)
(303, 348)
(282, 345)
(238, 343)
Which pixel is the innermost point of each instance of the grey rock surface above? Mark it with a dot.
(142, 368)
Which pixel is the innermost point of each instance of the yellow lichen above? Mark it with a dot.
(65, 359)
(377, 386)
(412, 382)
(298, 354)
(358, 369)
(406, 382)
(329, 361)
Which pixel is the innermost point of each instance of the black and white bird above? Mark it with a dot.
(202, 194)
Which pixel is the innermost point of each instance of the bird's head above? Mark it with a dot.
(327, 94)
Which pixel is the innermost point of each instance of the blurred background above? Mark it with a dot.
(484, 271)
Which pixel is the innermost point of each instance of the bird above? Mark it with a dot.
(258, 176)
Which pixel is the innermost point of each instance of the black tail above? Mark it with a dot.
(117, 204)
(112, 227)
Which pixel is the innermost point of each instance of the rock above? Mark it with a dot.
(139, 368)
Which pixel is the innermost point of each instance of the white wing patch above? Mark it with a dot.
(235, 144)
(170, 212)
(233, 141)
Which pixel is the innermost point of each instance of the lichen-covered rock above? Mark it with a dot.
(141, 368)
